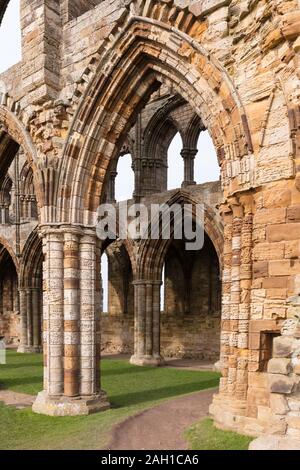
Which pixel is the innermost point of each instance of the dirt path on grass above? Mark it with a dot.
(18, 400)
(162, 427)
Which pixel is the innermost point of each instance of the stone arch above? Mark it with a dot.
(31, 261)
(127, 244)
(120, 87)
(119, 262)
(158, 125)
(13, 135)
(28, 203)
(11, 252)
(192, 133)
(31, 291)
(9, 305)
(152, 253)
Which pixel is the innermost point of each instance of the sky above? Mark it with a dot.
(10, 36)
(206, 165)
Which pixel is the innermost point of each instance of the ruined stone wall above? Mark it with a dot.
(188, 336)
(237, 64)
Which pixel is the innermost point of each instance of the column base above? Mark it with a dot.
(154, 361)
(29, 349)
(65, 406)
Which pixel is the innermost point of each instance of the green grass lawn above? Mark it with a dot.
(130, 389)
(204, 436)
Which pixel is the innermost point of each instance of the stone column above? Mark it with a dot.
(23, 317)
(71, 326)
(90, 302)
(232, 399)
(136, 166)
(53, 316)
(147, 323)
(188, 156)
(156, 321)
(36, 326)
(234, 296)
(226, 296)
(29, 318)
(71, 314)
(245, 297)
(111, 194)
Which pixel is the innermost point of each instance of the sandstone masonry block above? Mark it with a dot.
(278, 404)
(281, 384)
(282, 346)
(279, 366)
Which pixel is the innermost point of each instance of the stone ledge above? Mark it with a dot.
(64, 406)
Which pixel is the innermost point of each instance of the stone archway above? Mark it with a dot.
(154, 43)
(100, 125)
(151, 258)
(30, 291)
(14, 136)
(142, 64)
(9, 301)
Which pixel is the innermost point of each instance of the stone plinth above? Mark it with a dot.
(147, 361)
(66, 406)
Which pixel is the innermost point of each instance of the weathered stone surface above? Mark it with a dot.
(224, 66)
(280, 366)
(270, 442)
(278, 404)
(283, 346)
(281, 384)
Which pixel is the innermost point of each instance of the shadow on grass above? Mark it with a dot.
(145, 396)
(10, 366)
(12, 382)
(106, 371)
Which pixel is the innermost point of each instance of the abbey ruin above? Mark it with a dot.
(100, 79)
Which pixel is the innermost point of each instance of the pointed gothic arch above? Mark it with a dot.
(121, 85)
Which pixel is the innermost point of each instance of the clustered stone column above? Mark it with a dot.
(28, 206)
(147, 323)
(237, 278)
(188, 156)
(4, 214)
(226, 212)
(30, 322)
(245, 297)
(71, 323)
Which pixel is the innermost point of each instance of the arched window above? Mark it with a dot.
(5, 199)
(10, 35)
(28, 204)
(206, 162)
(124, 185)
(175, 163)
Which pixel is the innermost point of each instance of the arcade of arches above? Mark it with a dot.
(121, 78)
